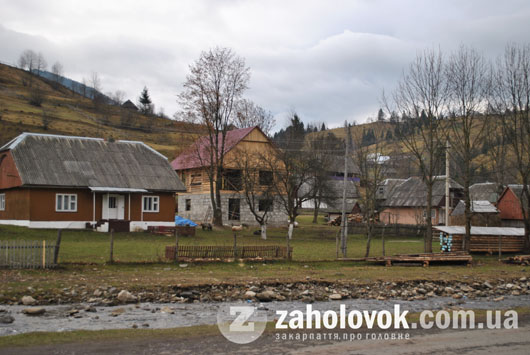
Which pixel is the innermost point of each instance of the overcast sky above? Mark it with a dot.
(328, 60)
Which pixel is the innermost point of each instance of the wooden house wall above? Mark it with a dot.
(509, 206)
(9, 176)
(17, 204)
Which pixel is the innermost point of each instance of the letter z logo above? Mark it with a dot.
(243, 314)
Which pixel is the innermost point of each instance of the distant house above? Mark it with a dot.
(129, 105)
(386, 188)
(484, 214)
(192, 167)
(510, 206)
(332, 200)
(484, 191)
(52, 181)
(407, 203)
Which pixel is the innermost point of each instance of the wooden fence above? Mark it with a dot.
(25, 254)
(391, 230)
(227, 252)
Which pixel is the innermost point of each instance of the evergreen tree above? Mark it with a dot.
(380, 115)
(146, 105)
(323, 128)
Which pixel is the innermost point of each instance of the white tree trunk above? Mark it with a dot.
(290, 232)
(264, 231)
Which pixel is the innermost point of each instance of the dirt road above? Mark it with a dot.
(512, 341)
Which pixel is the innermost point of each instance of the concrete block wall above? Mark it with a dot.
(201, 202)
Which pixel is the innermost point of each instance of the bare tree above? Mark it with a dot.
(256, 185)
(118, 96)
(27, 60)
(468, 86)
(250, 115)
(421, 95)
(372, 172)
(57, 71)
(95, 82)
(325, 148)
(216, 82)
(41, 63)
(511, 100)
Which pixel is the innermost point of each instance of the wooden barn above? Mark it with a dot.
(483, 239)
(51, 181)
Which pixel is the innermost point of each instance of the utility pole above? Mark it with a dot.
(344, 222)
(447, 202)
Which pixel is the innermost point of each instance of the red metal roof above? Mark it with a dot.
(199, 153)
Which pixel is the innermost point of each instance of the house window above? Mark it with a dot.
(265, 178)
(196, 179)
(265, 205)
(66, 202)
(112, 201)
(150, 204)
(2, 202)
(188, 204)
(234, 209)
(232, 180)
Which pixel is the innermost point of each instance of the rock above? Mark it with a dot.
(266, 296)
(98, 293)
(125, 296)
(381, 298)
(430, 294)
(166, 309)
(117, 312)
(187, 294)
(498, 299)
(422, 291)
(6, 319)
(250, 294)
(145, 325)
(183, 265)
(488, 285)
(457, 296)
(509, 286)
(335, 296)
(90, 309)
(135, 326)
(72, 312)
(34, 311)
(516, 293)
(523, 279)
(449, 290)
(28, 300)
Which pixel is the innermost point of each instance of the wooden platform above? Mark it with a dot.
(424, 259)
(220, 252)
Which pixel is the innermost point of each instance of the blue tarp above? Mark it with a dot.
(179, 221)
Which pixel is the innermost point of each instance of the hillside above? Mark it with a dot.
(63, 111)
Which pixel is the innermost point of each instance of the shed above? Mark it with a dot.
(484, 239)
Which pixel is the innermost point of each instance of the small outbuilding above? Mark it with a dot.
(483, 239)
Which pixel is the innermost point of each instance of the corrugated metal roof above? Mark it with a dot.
(481, 206)
(503, 231)
(413, 192)
(51, 160)
(484, 191)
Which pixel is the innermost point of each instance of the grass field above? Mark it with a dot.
(140, 261)
(311, 242)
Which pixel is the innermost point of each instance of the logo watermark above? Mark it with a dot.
(241, 324)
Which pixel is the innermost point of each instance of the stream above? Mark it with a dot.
(59, 318)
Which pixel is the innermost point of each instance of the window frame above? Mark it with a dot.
(187, 204)
(270, 204)
(62, 208)
(152, 198)
(266, 178)
(2, 202)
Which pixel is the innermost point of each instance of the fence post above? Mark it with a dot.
(57, 246)
(235, 245)
(176, 244)
(111, 246)
(44, 254)
(383, 239)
